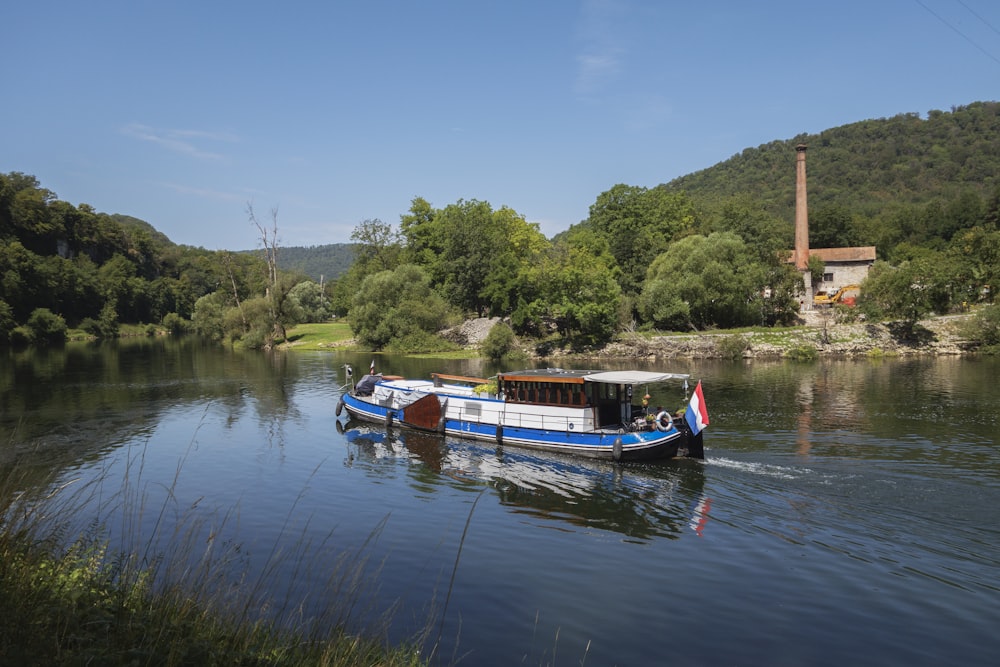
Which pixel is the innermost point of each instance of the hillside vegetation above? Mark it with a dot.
(865, 166)
(704, 251)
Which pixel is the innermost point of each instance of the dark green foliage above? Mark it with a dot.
(175, 324)
(392, 305)
(924, 192)
(207, 319)
(707, 282)
(46, 326)
(860, 166)
(499, 343)
(732, 347)
(984, 328)
(906, 292)
(802, 353)
(322, 263)
(90, 267)
(639, 224)
(6, 321)
(312, 300)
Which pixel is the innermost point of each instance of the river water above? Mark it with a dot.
(848, 512)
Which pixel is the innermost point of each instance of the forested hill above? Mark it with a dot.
(866, 166)
(322, 263)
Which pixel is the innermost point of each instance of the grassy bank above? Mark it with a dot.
(66, 599)
(320, 336)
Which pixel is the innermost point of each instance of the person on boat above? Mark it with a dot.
(366, 385)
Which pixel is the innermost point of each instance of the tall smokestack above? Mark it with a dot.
(801, 211)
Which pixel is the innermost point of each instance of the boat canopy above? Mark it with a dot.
(633, 377)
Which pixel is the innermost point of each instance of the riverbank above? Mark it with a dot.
(817, 336)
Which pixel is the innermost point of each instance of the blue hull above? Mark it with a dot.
(618, 446)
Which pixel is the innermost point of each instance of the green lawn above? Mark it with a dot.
(320, 336)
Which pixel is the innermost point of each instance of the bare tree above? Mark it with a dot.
(227, 263)
(269, 239)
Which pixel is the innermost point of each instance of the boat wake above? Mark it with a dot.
(762, 469)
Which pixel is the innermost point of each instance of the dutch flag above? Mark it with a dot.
(696, 414)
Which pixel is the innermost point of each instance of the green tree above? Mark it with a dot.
(639, 224)
(46, 326)
(207, 319)
(499, 342)
(312, 300)
(743, 214)
(831, 226)
(419, 233)
(378, 245)
(571, 290)
(975, 254)
(703, 282)
(906, 292)
(475, 253)
(391, 305)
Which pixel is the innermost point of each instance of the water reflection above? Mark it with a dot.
(639, 501)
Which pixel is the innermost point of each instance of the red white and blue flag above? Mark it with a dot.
(696, 414)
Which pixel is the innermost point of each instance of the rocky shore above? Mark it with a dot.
(818, 336)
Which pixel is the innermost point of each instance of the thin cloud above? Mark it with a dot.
(178, 141)
(600, 59)
(595, 71)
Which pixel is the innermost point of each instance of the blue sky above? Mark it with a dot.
(181, 113)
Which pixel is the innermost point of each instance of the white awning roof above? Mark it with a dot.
(633, 377)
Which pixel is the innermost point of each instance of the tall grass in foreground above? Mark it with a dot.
(179, 596)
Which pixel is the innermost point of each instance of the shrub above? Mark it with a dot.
(109, 321)
(46, 326)
(802, 353)
(984, 328)
(22, 335)
(91, 326)
(499, 342)
(732, 347)
(418, 341)
(176, 324)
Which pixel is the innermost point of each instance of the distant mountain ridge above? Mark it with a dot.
(321, 263)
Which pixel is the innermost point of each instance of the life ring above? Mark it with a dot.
(659, 421)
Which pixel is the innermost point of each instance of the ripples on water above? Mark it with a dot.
(847, 513)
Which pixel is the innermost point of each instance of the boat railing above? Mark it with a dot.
(561, 423)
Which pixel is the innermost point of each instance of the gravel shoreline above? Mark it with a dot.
(818, 336)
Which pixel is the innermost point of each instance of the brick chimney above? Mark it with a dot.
(801, 211)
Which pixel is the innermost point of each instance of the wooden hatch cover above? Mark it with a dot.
(423, 413)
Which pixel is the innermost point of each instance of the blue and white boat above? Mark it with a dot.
(585, 413)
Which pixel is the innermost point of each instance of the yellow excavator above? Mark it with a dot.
(846, 295)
